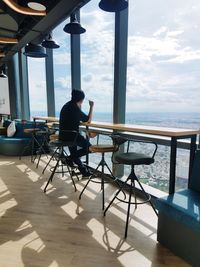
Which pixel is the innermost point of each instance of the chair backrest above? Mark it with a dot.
(194, 182)
(117, 139)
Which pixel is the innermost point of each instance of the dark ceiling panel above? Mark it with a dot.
(8, 25)
(33, 28)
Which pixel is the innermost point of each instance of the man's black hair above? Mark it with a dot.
(77, 95)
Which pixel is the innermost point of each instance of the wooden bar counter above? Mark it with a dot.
(174, 134)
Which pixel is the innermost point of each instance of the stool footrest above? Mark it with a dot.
(134, 202)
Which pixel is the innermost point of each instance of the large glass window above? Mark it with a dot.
(62, 67)
(37, 87)
(163, 74)
(97, 59)
(163, 63)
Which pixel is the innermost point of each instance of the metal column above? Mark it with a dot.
(50, 83)
(14, 87)
(120, 70)
(120, 66)
(24, 86)
(76, 59)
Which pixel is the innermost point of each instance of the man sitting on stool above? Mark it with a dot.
(70, 118)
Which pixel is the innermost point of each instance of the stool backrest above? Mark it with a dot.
(120, 141)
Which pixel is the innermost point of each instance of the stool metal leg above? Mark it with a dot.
(114, 178)
(85, 186)
(115, 196)
(54, 153)
(52, 174)
(128, 210)
(92, 176)
(71, 176)
(34, 144)
(26, 147)
(142, 188)
(133, 178)
(41, 149)
(61, 150)
(133, 184)
(102, 163)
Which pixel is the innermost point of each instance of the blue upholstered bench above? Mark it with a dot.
(179, 219)
(13, 146)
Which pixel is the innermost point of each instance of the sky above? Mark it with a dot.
(163, 58)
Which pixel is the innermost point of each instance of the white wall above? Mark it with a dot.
(4, 96)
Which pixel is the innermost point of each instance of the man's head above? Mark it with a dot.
(78, 96)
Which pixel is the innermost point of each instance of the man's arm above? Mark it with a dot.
(90, 113)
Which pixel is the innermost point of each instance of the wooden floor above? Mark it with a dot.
(56, 229)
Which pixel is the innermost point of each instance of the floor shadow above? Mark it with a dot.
(47, 227)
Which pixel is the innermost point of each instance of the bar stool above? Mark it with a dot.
(129, 157)
(33, 143)
(102, 149)
(44, 147)
(58, 154)
(53, 149)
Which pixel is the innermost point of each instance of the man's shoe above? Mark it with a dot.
(85, 172)
(67, 161)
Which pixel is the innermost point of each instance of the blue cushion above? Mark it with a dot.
(13, 140)
(183, 206)
(20, 126)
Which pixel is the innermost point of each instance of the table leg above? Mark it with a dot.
(172, 174)
(192, 154)
(87, 155)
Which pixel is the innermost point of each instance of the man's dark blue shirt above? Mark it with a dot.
(70, 118)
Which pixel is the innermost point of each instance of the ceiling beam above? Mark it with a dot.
(23, 10)
(8, 30)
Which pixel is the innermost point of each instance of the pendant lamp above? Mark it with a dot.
(23, 9)
(33, 50)
(39, 5)
(113, 5)
(74, 27)
(49, 42)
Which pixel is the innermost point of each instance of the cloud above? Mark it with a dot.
(162, 62)
(163, 57)
(62, 58)
(62, 83)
